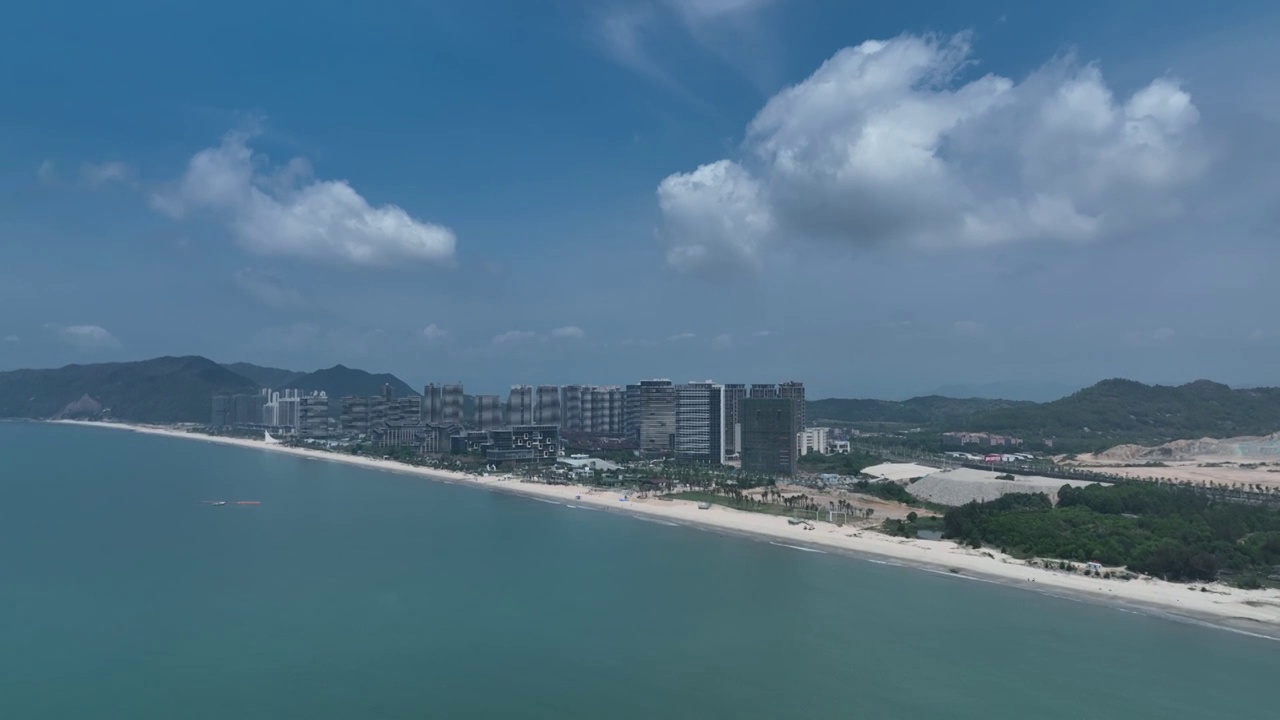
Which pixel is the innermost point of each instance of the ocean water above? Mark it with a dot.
(350, 593)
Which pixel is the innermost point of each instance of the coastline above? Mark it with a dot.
(1252, 612)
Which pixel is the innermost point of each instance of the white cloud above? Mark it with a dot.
(269, 290)
(762, 333)
(715, 215)
(568, 331)
(883, 145)
(1258, 334)
(47, 172)
(12, 339)
(702, 10)
(681, 336)
(434, 332)
(287, 212)
(1162, 334)
(99, 174)
(512, 337)
(86, 337)
(966, 327)
(632, 31)
(723, 341)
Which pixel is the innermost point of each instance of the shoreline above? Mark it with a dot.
(1249, 612)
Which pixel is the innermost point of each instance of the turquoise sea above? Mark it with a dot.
(350, 593)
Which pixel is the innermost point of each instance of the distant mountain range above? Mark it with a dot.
(1034, 391)
(167, 389)
(1117, 411)
(161, 390)
(927, 411)
(1112, 412)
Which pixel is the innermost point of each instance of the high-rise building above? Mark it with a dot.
(764, 390)
(793, 390)
(812, 440)
(388, 392)
(354, 417)
(281, 410)
(571, 408)
(313, 416)
(378, 409)
(546, 409)
(615, 397)
(657, 404)
(520, 405)
(489, 412)
(404, 411)
(221, 411)
(769, 430)
(631, 413)
(700, 423)
(432, 403)
(733, 395)
(246, 409)
(451, 402)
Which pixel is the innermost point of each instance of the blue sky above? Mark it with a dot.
(877, 198)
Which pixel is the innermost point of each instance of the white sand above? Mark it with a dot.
(1252, 611)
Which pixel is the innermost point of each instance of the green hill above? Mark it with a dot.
(927, 411)
(1113, 412)
(161, 390)
(340, 381)
(267, 377)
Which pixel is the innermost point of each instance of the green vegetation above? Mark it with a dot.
(891, 491)
(845, 464)
(340, 381)
(1173, 533)
(735, 501)
(161, 390)
(927, 411)
(1114, 412)
(267, 377)
(912, 525)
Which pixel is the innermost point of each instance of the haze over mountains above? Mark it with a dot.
(1112, 412)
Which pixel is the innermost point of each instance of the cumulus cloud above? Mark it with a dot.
(512, 337)
(269, 290)
(723, 341)
(86, 337)
(885, 144)
(285, 211)
(568, 331)
(681, 336)
(434, 332)
(12, 339)
(99, 174)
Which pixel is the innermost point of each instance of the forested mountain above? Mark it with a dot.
(1123, 411)
(267, 377)
(160, 390)
(340, 381)
(927, 411)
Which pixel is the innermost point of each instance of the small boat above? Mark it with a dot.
(213, 502)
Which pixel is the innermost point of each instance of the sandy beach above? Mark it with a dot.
(1248, 611)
